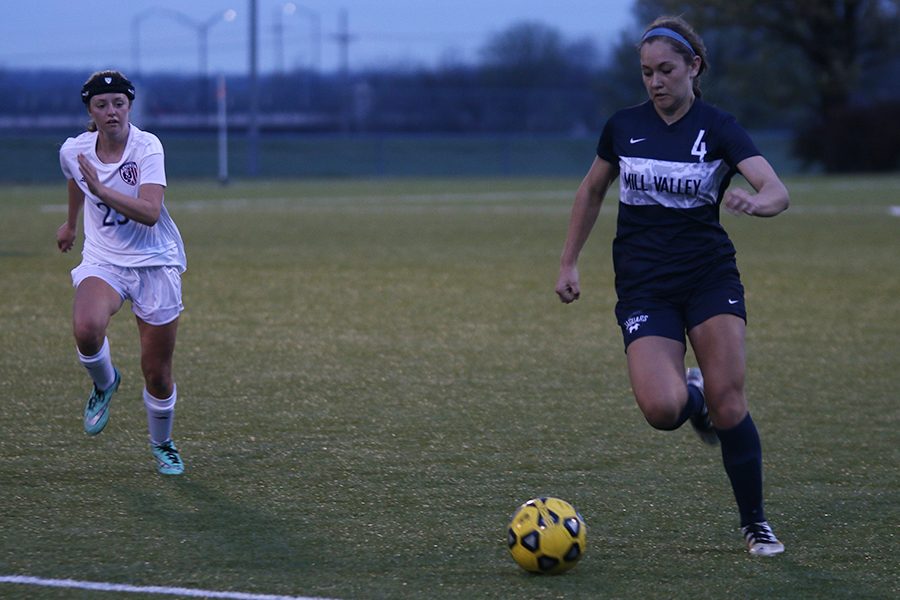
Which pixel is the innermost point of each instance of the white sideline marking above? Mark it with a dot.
(153, 589)
(341, 201)
(895, 211)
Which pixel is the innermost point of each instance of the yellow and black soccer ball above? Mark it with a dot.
(547, 535)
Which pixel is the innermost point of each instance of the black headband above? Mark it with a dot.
(107, 84)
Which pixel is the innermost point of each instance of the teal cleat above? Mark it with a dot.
(96, 411)
(168, 460)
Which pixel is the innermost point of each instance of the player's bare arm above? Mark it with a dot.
(771, 196)
(144, 209)
(65, 234)
(588, 200)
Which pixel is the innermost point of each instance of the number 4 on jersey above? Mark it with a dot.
(699, 149)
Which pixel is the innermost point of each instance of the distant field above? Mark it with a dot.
(33, 158)
(374, 373)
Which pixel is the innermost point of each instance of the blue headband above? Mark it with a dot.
(669, 33)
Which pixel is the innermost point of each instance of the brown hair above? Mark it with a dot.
(682, 28)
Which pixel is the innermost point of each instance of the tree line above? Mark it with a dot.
(826, 70)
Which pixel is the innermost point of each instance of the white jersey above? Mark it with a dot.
(110, 237)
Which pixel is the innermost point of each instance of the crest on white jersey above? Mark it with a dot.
(129, 172)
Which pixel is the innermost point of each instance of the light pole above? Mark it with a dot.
(201, 28)
(281, 12)
(315, 38)
(344, 39)
(315, 32)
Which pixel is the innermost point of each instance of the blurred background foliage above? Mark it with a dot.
(825, 74)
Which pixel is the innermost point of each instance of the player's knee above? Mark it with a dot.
(89, 336)
(726, 417)
(727, 407)
(158, 382)
(663, 416)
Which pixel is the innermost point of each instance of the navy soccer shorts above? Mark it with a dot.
(718, 292)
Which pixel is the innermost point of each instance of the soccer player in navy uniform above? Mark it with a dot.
(675, 269)
(132, 251)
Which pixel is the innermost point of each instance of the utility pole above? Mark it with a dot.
(253, 113)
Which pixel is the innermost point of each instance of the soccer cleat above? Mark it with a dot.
(96, 411)
(760, 540)
(168, 460)
(700, 421)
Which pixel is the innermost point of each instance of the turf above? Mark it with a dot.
(373, 374)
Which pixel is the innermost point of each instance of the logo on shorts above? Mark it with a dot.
(632, 324)
(129, 172)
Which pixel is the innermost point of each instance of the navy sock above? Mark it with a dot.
(694, 405)
(742, 455)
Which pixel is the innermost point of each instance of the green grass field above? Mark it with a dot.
(372, 376)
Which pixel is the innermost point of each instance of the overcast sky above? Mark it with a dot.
(93, 34)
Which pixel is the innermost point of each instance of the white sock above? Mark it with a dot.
(99, 366)
(160, 414)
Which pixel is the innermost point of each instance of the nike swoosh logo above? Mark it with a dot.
(730, 301)
(636, 140)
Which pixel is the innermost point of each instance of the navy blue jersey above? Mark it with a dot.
(672, 179)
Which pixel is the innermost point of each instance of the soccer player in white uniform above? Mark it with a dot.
(132, 251)
(676, 274)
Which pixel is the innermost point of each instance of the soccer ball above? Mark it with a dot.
(547, 535)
